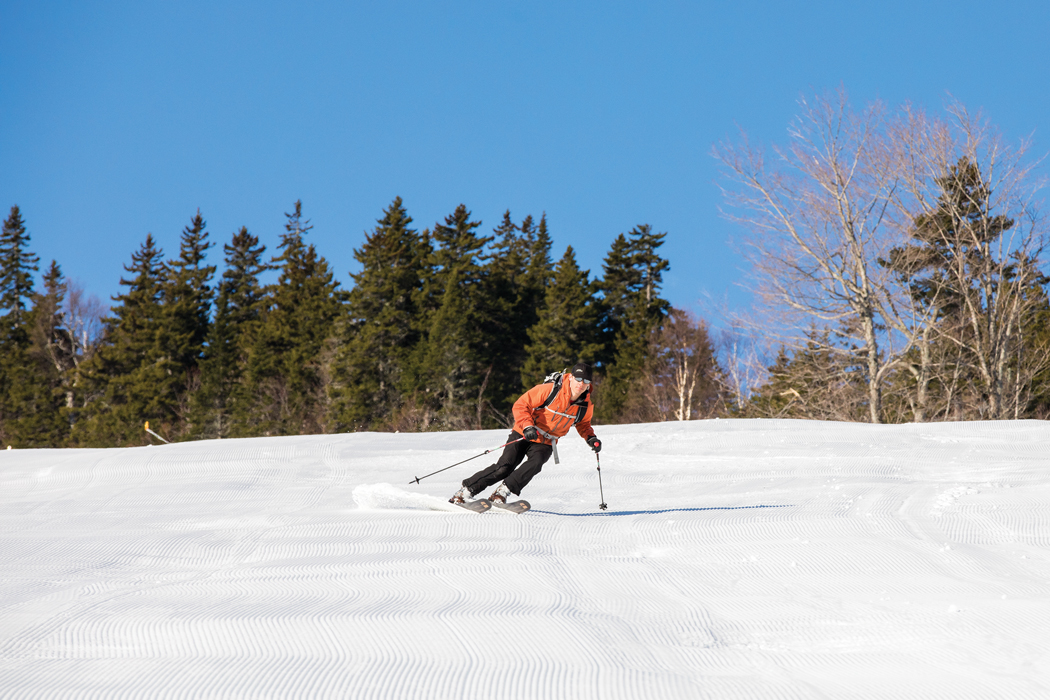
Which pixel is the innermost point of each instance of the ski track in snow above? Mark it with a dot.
(738, 559)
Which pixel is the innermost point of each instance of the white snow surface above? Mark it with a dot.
(737, 559)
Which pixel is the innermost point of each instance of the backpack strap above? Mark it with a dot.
(554, 393)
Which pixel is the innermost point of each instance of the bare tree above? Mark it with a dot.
(83, 315)
(906, 231)
(681, 378)
(67, 333)
(975, 236)
(816, 218)
(742, 364)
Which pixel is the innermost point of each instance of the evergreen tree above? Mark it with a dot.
(504, 275)
(814, 382)
(1037, 341)
(458, 357)
(237, 310)
(775, 397)
(633, 310)
(506, 308)
(284, 372)
(187, 300)
(538, 267)
(567, 330)
(619, 279)
(17, 266)
(518, 271)
(43, 380)
(131, 378)
(962, 265)
(382, 330)
(24, 400)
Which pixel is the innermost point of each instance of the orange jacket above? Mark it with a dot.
(557, 418)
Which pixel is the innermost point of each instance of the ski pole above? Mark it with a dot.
(420, 478)
(602, 505)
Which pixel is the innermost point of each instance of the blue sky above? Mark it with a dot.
(119, 119)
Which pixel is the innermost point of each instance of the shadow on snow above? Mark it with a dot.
(656, 512)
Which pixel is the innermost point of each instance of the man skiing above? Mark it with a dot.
(541, 416)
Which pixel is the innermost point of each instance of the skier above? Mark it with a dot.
(540, 418)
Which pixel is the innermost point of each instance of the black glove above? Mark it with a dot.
(595, 443)
(530, 434)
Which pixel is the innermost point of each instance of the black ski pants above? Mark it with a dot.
(535, 455)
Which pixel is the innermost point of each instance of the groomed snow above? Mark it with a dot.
(738, 559)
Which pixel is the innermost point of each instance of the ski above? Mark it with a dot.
(516, 507)
(481, 505)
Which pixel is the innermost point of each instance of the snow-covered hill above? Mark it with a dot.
(738, 559)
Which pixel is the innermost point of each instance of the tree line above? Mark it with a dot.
(441, 329)
(895, 256)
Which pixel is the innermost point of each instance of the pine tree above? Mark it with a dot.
(1037, 340)
(382, 330)
(44, 379)
(776, 396)
(518, 271)
(964, 264)
(457, 359)
(633, 310)
(17, 266)
(187, 300)
(506, 304)
(24, 399)
(504, 274)
(131, 378)
(237, 309)
(813, 382)
(567, 330)
(619, 279)
(284, 372)
(538, 267)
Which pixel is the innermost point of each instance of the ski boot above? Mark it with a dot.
(462, 496)
(500, 494)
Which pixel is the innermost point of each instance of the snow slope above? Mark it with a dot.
(738, 559)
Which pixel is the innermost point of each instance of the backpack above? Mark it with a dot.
(555, 379)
